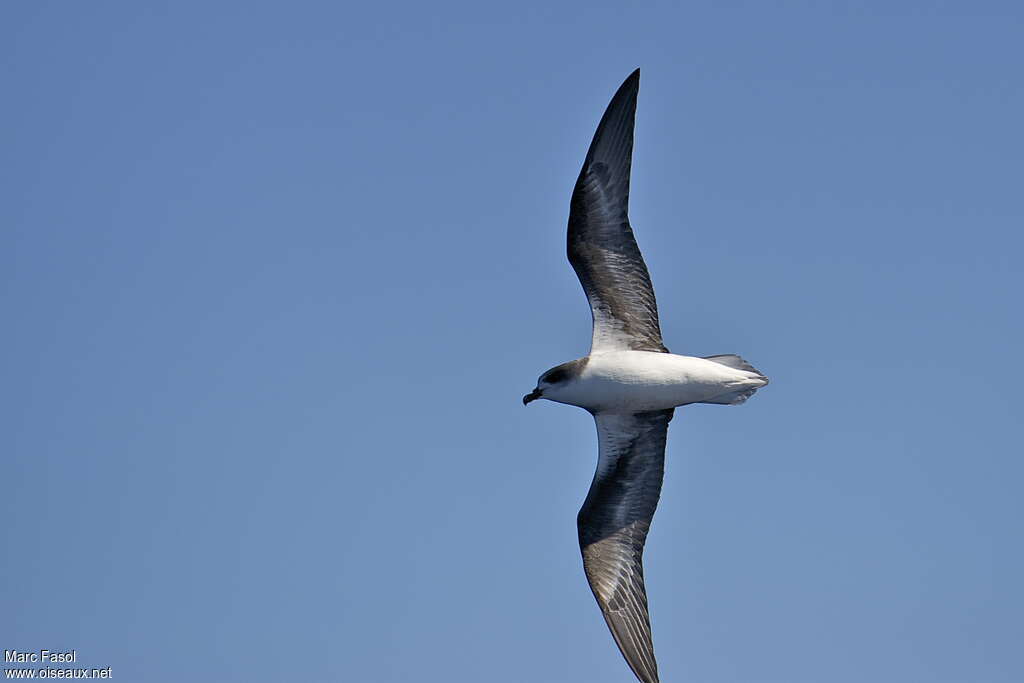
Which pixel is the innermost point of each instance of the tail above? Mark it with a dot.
(734, 398)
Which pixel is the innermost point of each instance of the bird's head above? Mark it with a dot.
(552, 382)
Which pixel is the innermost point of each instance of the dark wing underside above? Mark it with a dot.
(601, 246)
(613, 525)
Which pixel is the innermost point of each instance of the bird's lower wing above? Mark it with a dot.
(613, 525)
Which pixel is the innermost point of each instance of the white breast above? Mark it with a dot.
(634, 381)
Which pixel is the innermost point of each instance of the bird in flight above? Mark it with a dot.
(629, 382)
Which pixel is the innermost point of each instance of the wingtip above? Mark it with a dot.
(628, 91)
(632, 81)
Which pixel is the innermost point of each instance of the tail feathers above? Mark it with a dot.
(733, 361)
(740, 395)
(733, 398)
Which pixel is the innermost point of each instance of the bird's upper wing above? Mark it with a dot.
(613, 525)
(601, 246)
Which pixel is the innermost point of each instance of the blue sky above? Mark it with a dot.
(275, 277)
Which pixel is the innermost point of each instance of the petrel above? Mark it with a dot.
(629, 382)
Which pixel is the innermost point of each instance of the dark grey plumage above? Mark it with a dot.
(616, 516)
(613, 525)
(601, 246)
(565, 372)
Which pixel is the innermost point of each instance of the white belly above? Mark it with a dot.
(635, 381)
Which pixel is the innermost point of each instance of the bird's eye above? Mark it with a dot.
(554, 377)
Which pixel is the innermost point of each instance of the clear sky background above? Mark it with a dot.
(276, 276)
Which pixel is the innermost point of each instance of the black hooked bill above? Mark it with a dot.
(532, 396)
